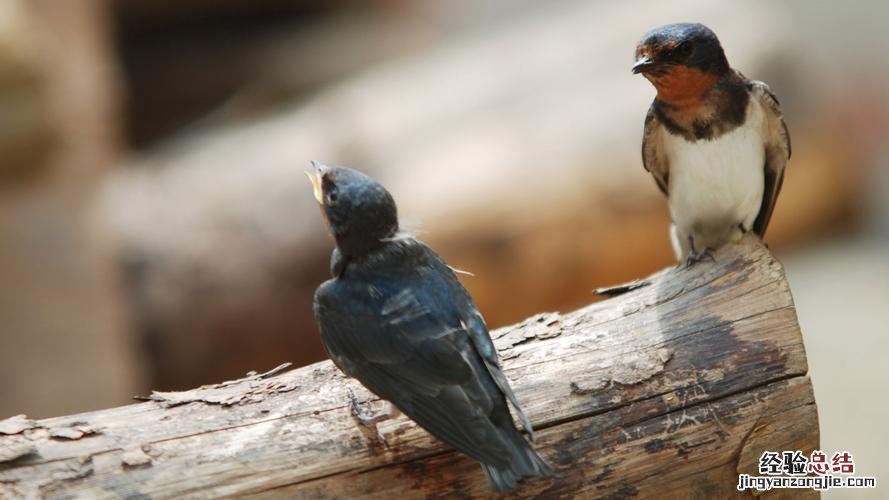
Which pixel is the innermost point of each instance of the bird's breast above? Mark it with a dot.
(718, 181)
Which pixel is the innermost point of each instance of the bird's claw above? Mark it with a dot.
(695, 257)
(367, 422)
(355, 406)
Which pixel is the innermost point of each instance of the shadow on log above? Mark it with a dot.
(669, 390)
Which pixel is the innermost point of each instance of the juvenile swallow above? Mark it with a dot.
(395, 317)
(714, 141)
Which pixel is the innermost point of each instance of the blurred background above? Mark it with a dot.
(156, 230)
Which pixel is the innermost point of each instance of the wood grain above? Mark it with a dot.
(668, 390)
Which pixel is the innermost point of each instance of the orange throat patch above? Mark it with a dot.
(683, 88)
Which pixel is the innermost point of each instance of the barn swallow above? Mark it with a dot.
(395, 317)
(714, 141)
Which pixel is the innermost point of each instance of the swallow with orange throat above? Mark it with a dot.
(714, 141)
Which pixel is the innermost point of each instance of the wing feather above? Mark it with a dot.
(778, 150)
(654, 159)
(409, 342)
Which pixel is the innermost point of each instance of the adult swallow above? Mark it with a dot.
(714, 141)
(395, 317)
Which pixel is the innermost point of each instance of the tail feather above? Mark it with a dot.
(523, 463)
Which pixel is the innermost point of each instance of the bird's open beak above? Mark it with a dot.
(315, 178)
(642, 64)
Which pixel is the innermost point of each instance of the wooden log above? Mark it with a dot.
(670, 390)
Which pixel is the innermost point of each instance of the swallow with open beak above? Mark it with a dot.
(395, 317)
(714, 141)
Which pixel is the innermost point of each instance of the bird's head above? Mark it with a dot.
(681, 60)
(360, 212)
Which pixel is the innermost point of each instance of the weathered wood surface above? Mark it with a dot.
(668, 390)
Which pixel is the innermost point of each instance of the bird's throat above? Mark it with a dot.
(683, 88)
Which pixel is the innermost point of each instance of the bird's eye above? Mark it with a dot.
(332, 196)
(683, 49)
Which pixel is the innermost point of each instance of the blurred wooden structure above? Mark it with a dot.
(523, 170)
(669, 390)
(67, 345)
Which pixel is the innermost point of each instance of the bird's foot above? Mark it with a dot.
(367, 422)
(695, 257)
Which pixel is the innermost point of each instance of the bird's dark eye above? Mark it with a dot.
(332, 195)
(683, 49)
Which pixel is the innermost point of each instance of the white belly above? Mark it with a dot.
(718, 184)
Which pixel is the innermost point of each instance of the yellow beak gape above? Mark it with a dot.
(315, 179)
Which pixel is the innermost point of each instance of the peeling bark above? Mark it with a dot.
(16, 424)
(250, 389)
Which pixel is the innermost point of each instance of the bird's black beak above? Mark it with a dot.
(315, 178)
(642, 64)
